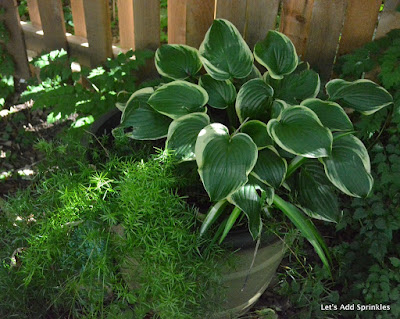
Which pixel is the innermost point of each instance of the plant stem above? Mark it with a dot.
(295, 164)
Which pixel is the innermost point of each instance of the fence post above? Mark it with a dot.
(189, 20)
(16, 45)
(52, 18)
(139, 24)
(326, 25)
(295, 22)
(34, 13)
(260, 18)
(78, 17)
(390, 18)
(98, 27)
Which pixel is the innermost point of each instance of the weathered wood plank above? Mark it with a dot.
(359, 25)
(199, 17)
(326, 25)
(234, 11)
(390, 18)
(52, 17)
(139, 24)
(78, 17)
(78, 46)
(34, 15)
(177, 21)
(295, 22)
(261, 17)
(16, 45)
(98, 28)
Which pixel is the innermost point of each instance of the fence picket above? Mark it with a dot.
(326, 25)
(16, 45)
(34, 15)
(98, 27)
(390, 18)
(295, 22)
(139, 24)
(78, 17)
(189, 20)
(234, 11)
(52, 17)
(261, 17)
(359, 25)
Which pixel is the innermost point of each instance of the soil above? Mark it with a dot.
(20, 128)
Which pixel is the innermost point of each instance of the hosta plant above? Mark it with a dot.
(279, 145)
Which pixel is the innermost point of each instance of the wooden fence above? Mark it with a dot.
(320, 29)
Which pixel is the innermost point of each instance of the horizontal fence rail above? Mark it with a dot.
(320, 29)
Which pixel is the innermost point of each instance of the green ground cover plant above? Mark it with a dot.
(6, 66)
(89, 92)
(254, 138)
(110, 240)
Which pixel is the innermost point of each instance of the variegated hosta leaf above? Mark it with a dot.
(295, 87)
(221, 93)
(306, 228)
(363, 96)
(258, 132)
(330, 114)
(270, 167)
(248, 200)
(177, 61)
(277, 53)
(182, 134)
(179, 98)
(224, 162)
(348, 167)
(254, 101)
(316, 194)
(224, 53)
(144, 122)
(300, 132)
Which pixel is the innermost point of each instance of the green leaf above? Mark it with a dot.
(300, 132)
(230, 222)
(395, 262)
(177, 61)
(306, 228)
(179, 98)
(140, 96)
(254, 101)
(348, 167)
(247, 199)
(144, 122)
(277, 53)
(182, 134)
(295, 87)
(363, 96)
(224, 162)
(212, 215)
(316, 193)
(258, 132)
(224, 53)
(270, 167)
(330, 114)
(221, 93)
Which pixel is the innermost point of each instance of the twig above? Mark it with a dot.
(105, 150)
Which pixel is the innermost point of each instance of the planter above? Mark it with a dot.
(243, 285)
